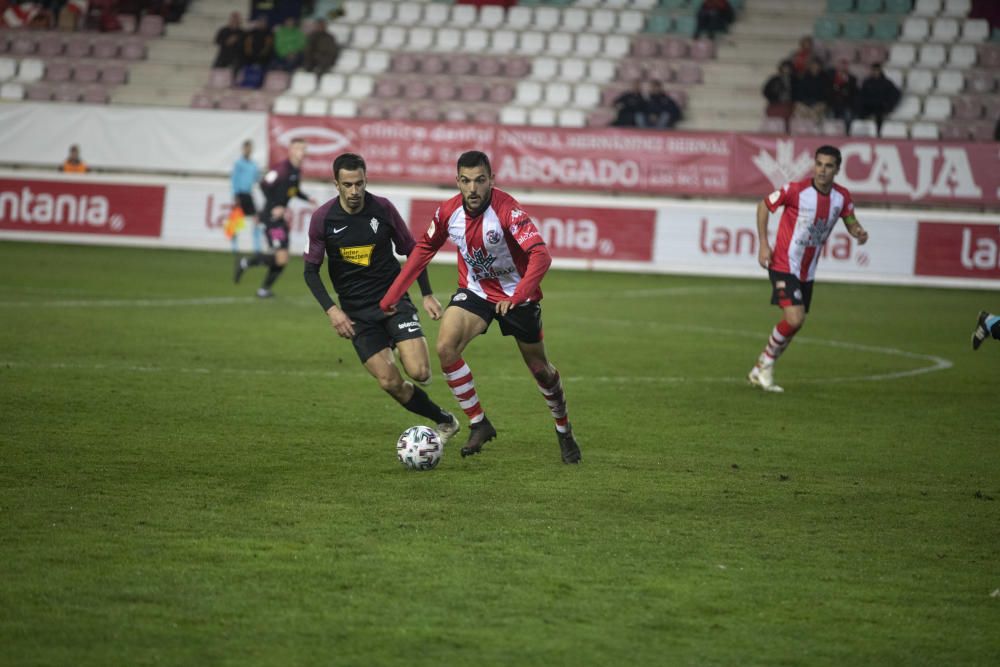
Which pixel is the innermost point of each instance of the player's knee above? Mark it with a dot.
(446, 351)
(544, 372)
(796, 320)
(421, 375)
(391, 385)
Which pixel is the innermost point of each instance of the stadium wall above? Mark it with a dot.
(584, 231)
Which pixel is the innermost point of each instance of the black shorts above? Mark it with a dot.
(374, 330)
(523, 322)
(245, 200)
(787, 290)
(277, 235)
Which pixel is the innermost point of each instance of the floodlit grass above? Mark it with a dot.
(189, 476)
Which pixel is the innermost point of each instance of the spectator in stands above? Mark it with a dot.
(289, 45)
(661, 111)
(258, 44)
(806, 53)
(229, 39)
(321, 51)
(73, 164)
(631, 105)
(714, 16)
(810, 92)
(878, 96)
(778, 92)
(842, 94)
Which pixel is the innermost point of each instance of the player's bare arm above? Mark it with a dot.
(855, 229)
(432, 306)
(340, 322)
(764, 248)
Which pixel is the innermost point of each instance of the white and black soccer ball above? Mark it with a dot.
(419, 448)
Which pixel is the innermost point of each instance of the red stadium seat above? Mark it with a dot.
(95, 94)
(114, 74)
(86, 72)
(58, 71)
(387, 88)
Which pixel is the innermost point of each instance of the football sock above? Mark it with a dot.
(421, 404)
(459, 379)
(993, 325)
(272, 274)
(780, 338)
(260, 259)
(556, 401)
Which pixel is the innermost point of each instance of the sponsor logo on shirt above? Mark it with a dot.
(493, 237)
(374, 224)
(479, 261)
(360, 255)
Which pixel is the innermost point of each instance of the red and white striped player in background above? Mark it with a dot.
(812, 207)
(501, 262)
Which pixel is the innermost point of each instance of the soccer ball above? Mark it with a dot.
(419, 448)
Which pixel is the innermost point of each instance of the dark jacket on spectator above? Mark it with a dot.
(321, 51)
(878, 96)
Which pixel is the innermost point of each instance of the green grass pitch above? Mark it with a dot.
(191, 477)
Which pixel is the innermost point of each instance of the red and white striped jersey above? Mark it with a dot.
(806, 223)
(501, 254)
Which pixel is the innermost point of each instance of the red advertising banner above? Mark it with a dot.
(576, 232)
(960, 250)
(81, 207)
(903, 172)
(646, 161)
(596, 160)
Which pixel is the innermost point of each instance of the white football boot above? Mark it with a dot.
(762, 375)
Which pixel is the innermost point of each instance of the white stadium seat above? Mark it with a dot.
(449, 40)
(11, 91)
(976, 30)
(504, 41)
(616, 46)
(937, 107)
(962, 56)
(528, 93)
(520, 17)
(925, 131)
(945, 30)
(408, 13)
(915, 29)
(950, 82)
(364, 37)
(546, 18)
(603, 20)
(380, 12)
(393, 38)
(864, 128)
(360, 85)
(513, 116)
(436, 14)
(542, 117)
(956, 8)
(575, 19)
(571, 118)
(560, 44)
(355, 11)
(332, 84)
(420, 38)
(630, 22)
(601, 70)
(920, 81)
(343, 108)
(544, 68)
(30, 70)
(558, 94)
(8, 68)
(286, 104)
(932, 55)
(894, 130)
(573, 69)
(532, 43)
(463, 16)
(908, 109)
(588, 45)
(349, 61)
(303, 83)
(902, 55)
(927, 8)
(376, 62)
(587, 96)
(315, 106)
(475, 40)
(491, 16)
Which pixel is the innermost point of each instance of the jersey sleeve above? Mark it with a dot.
(316, 247)
(777, 199)
(848, 210)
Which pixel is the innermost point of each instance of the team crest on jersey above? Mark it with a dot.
(374, 224)
(360, 255)
(493, 237)
(479, 261)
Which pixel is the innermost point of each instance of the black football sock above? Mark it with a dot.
(259, 259)
(994, 326)
(272, 275)
(421, 404)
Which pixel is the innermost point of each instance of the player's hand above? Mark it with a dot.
(277, 212)
(340, 322)
(433, 307)
(764, 255)
(389, 310)
(861, 234)
(503, 307)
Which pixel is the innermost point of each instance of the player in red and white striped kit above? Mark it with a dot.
(501, 261)
(812, 208)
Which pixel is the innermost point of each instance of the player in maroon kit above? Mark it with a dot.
(812, 207)
(357, 231)
(501, 261)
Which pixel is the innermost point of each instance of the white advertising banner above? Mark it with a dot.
(597, 233)
(141, 139)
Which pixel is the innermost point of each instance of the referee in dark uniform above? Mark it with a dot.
(357, 232)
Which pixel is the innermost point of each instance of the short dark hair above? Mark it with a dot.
(471, 159)
(832, 151)
(350, 162)
(297, 140)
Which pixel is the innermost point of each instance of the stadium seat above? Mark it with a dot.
(989, 56)
(601, 70)
(630, 22)
(558, 94)
(685, 25)
(503, 41)
(660, 70)
(857, 27)
(491, 16)
(832, 127)
(513, 116)
(475, 40)
(588, 45)
(843, 51)
(229, 100)
(915, 29)
(532, 43)
(839, 6)
(586, 95)
(902, 55)
(78, 46)
(872, 53)
(449, 40)
(967, 107)
(981, 81)
(571, 118)
(12, 90)
(950, 82)
(919, 81)
(702, 49)
(114, 74)
(415, 89)
(472, 91)
(937, 107)
(30, 70)
(544, 68)
(380, 12)
(770, 125)
(826, 28)
(276, 81)
(436, 15)
(39, 92)
(573, 69)
(86, 72)
(500, 94)
(428, 113)
(359, 85)
(559, 44)
(463, 16)
(331, 84)
(49, 45)
(869, 6)
(962, 56)
(631, 70)
(371, 109)
(58, 71)
(932, 55)
(547, 18)
(286, 104)
(203, 100)
(355, 11)
(151, 25)
(945, 30)
(908, 108)
(387, 89)
(528, 93)
(520, 17)
(982, 130)
(894, 130)
(303, 83)
(133, 48)
(976, 30)
(456, 114)
(458, 67)
(420, 38)
(885, 28)
(403, 63)
(342, 108)
(615, 46)
(924, 131)
(956, 8)
(516, 68)
(645, 46)
(315, 106)
(542, 117)
(898, 6)
(659, 24)
(689, 73)
(375, 62)
(105, 47)
(22, 45)
(603, 20)
(393, 38)
(408, 13)
(927, 8)
(803, 127)
(952, 131)
(485, 116)
(488, 67)
(574, 20)
(8, 68)
(864, 128)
